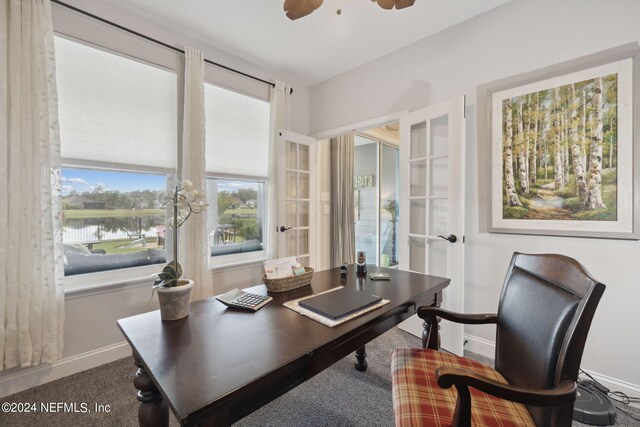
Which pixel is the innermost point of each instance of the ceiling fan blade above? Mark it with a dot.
(386, 4)
(298, 8)
(401, 4)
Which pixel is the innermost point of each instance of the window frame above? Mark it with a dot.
(161, 59)
(85, 281)
(221, 262)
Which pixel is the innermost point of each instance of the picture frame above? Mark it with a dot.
(563, 161)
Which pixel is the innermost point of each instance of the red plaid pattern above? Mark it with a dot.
(418, 400)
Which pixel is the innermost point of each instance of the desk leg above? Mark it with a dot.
(153, 410)
(425, 334)
(361, 359)
(426, 326)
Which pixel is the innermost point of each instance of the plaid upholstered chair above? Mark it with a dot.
(543, 318)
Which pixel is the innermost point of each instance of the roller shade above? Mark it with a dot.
(114, 109)
(237, 129)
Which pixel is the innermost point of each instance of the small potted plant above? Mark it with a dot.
(174, 293)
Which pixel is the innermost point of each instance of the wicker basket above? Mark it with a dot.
(287, 283)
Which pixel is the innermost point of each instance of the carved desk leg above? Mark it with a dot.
(361, 359)
(425, 333)
(153, 410)
(425, 324)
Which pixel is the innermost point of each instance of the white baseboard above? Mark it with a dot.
(26, 378)
(487, 348)
(480, 346)
(615, 384)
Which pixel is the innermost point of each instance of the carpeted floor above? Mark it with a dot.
(339, 396)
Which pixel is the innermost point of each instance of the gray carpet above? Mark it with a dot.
(339, 396)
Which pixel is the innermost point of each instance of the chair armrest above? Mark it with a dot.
(562, 395)
(463, 379)
(427, 312)
(430, 314)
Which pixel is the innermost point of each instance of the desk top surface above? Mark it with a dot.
(216, 351)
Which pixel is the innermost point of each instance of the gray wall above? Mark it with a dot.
(515, 38)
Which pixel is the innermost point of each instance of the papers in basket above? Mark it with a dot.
(279, 268)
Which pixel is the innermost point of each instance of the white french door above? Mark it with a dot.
(297, 197)
(431, 237)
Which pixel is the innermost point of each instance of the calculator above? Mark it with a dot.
(242, 300)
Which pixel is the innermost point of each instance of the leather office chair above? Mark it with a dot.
(545, 311)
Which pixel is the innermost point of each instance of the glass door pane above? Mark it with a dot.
(418, 200)
(366, 196)
(438, 189)
(295, 197)
(389, 161)
(297, 201)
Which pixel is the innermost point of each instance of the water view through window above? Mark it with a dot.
(112, 220)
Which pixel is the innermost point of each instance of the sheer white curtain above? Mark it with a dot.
(279, 119)
(194, 252)
(342, 204)
(31, 266)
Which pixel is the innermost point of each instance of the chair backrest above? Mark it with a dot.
(545, 312)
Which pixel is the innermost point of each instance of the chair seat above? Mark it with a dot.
(419, 401)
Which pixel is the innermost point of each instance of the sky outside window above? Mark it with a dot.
(82, 181)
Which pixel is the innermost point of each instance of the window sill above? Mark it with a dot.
(237, 261)
(82, 285)
(109, 281)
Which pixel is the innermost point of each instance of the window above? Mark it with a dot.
(237, 132)
(118, 132)
(119, 139)
(111, 220)
(235, 216)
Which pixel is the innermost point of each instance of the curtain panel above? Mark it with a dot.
(343, 234)
(193, 242)
(279, 119)
(31, 257)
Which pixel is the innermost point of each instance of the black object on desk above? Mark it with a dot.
(361, 263)
(339, 303)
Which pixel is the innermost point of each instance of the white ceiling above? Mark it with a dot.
(313, 48)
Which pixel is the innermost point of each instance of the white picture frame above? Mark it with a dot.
(620, 224)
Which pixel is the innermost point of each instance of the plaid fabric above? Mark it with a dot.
(418, 400)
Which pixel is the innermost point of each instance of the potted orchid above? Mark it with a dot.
(174, 293)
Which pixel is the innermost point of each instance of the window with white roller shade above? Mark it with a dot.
(113, 109)
(237, 133)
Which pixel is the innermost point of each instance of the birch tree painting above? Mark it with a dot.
(560, 152)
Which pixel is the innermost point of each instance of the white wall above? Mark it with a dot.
(324, 212)
(515, 38)
(90, 333)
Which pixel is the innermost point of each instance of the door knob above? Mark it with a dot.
(451, 238)
(283, 228)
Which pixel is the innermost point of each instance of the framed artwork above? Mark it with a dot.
(562, 158)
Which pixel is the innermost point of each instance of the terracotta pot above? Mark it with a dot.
(174, 301)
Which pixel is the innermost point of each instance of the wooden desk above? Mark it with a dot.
(218, 365)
